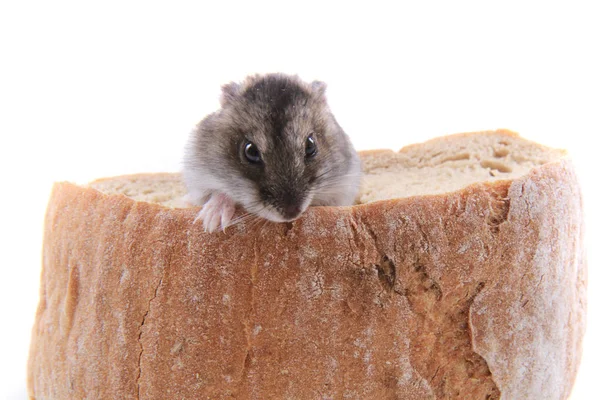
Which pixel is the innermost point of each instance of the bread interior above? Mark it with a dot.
(440, 165)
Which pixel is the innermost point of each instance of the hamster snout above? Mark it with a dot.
(273, 148)
(288, 203)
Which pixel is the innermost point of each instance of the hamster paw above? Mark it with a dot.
(216, 212)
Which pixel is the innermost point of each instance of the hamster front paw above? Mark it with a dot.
(216, 212)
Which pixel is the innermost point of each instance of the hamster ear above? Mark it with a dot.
(229, 92)
(318, 87)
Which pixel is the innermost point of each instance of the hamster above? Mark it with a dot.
(273, 148)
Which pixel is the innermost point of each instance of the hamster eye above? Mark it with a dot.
(310, 148)
(251, 153)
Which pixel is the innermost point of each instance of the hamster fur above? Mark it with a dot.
(274, 148)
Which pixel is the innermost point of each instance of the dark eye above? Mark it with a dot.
(251, 153)
(310, 148)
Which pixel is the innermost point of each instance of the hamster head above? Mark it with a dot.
(275, 148)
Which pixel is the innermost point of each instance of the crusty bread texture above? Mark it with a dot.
(460, 273)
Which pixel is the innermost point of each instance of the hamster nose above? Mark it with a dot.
(291, 211)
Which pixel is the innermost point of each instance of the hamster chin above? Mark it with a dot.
(270, 212)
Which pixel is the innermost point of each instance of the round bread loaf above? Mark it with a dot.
(459, 274)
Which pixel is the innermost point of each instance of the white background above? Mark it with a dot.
(91, 90)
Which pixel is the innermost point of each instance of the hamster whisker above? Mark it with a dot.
(239, 219)
(254, 224)
(324, 173)
(341, 177)
(265, 221)
(251, 221)
(334, 185)
(333, 179)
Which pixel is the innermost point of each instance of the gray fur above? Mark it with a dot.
(277, 113)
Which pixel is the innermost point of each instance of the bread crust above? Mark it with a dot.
(471, 294)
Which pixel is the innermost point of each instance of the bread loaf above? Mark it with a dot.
(460, 273)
